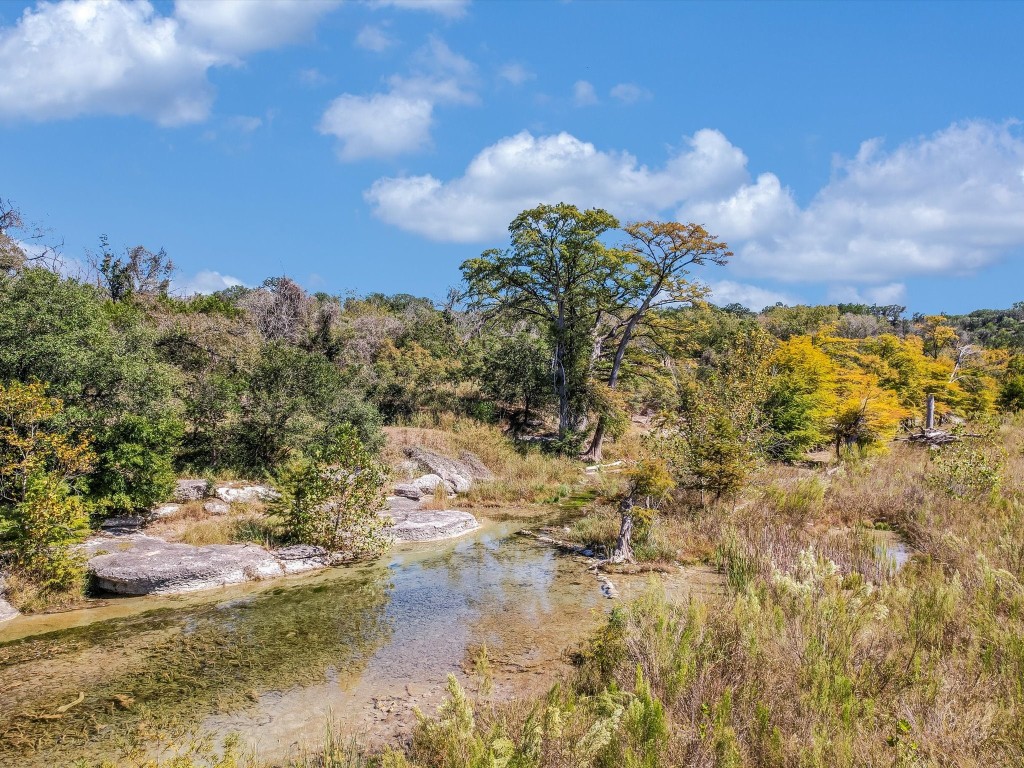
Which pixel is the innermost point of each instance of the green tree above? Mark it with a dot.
(558, 272)
(1011, 391)
(99, 358)
(292, 400)
(331, 495)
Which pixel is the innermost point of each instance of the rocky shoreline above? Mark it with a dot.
(122, 559)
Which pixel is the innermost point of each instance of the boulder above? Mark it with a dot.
(429, 525)
(145, 565)
(216, 507)
(427, 483)
(245, 493)
(7, 611)
(478, 468)
(189, 489)
(409, 491)
(164, 510)
(458, 474)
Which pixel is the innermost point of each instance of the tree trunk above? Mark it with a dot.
(623, 547)
(594, 451)
(929, 415)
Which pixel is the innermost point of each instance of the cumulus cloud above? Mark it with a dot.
(233, 27)
(381, 125)
(583, 94)
(522, 171)
(78, 57)
(944, 204)
(725, 292)
(515, 73)
(374, 38)
(399, 121)
(891, 293)
(453, 9)
(205, 281)
(629, 93)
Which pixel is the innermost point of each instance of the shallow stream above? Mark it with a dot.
(359, 645)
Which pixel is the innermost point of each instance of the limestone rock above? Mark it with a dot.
(7, 611)
(479, 469)
(458, 474)
(145, 565)
(427, 483)
(189, 489)
(164, 510)
(215, 507)
(429, 525)
(409, 491)
(245, 493)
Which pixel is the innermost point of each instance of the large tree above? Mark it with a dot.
(592, 300)
(558, 272)
(652, 275)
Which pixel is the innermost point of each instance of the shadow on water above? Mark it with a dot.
(271, 664)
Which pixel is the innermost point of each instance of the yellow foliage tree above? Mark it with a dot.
(39, 515)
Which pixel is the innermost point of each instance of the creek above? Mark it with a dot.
(273, 662)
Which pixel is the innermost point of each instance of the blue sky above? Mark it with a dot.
(844, 150)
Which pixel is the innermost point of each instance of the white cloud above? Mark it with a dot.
(312, 77)
(105, 57)
(205, 281)
(583, 94)
(235, 27)
(515, 73)
(452, 9)
(374, 38)
(725, 292)
(245, 123)
(399, 121)
(381, 125)
(523, 171)
(629, 93)
(79, 57)
(891, 293)
(944, 204)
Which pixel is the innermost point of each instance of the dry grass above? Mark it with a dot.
(524, 475)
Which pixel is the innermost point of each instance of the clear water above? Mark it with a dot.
(360, 645)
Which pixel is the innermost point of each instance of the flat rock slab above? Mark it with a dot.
(242, 492)
(146, 565)
(429, 524)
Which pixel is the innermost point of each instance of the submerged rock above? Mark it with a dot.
(429, 524)
(146, 565)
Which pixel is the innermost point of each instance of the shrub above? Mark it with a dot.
(330, 496)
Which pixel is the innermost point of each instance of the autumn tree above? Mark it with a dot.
(653, 275)
(41, 516)
(937, 334)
